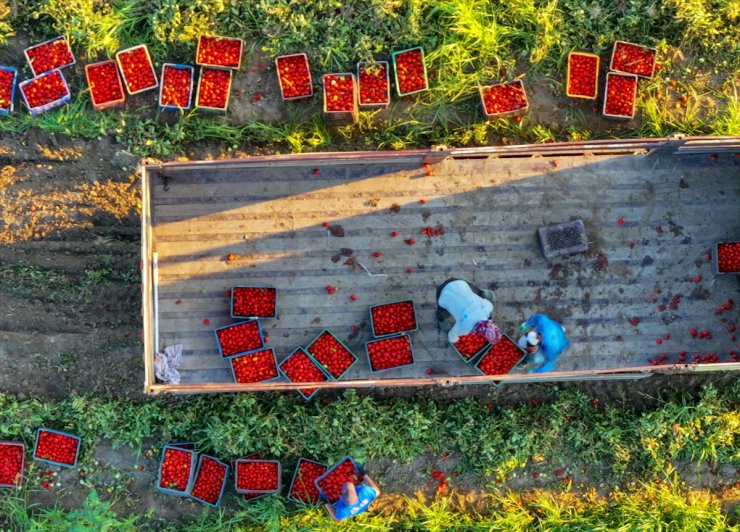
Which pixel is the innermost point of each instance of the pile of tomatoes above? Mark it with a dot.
(393, 318)
(374, 84)
(619, 99)
(253, 302)
(176, 468)
(177, 86)
(255, 367)
(410, 71)
(105, 85)
(209, 480)
(504, 98)
(299, 367)
(331, 484)
(219, 51)
(339, 92)
(583, 72)
(294, 76)
(390, 352)
(303, 488)
(240, 338)
(328, 351)
(58, 448)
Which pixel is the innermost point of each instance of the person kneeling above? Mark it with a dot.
(354, 499)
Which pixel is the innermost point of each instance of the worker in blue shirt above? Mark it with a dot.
(354, 499)
(545, 340)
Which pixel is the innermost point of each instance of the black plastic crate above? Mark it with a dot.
(563, 239)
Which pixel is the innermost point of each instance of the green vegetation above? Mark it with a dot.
(616, 443)
(645, 507)
(467, 43)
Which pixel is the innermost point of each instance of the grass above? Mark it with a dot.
(632, 450)
(467, 43)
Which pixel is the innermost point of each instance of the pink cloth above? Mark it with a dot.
(488, 329)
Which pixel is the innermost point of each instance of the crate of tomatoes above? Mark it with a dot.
(12, 464)
(45, 92)
(214, 90)
(177, 469)
(726, 258)
(216, 51)
(56, 447)
(393, 318)
(137, 69)
(330, 483)
(503, 357)
(255, 475)
(389, 353)
(582, 77)
(634, 59)
(253, 302)
(49, 55)
(257, 366)
(410, 71)
(239, 338)
(504, 99)
(176, 87)
(106, 89)
(294, 76)
(300, 367)
(470, 346)
(330, 353)
(373, 84)
(210, 480)
(620, 95)
(340, 98)
(249, 496)
(303, 485)
(8, 78)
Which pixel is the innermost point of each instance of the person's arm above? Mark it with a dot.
(370, 483)
(332, 513)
